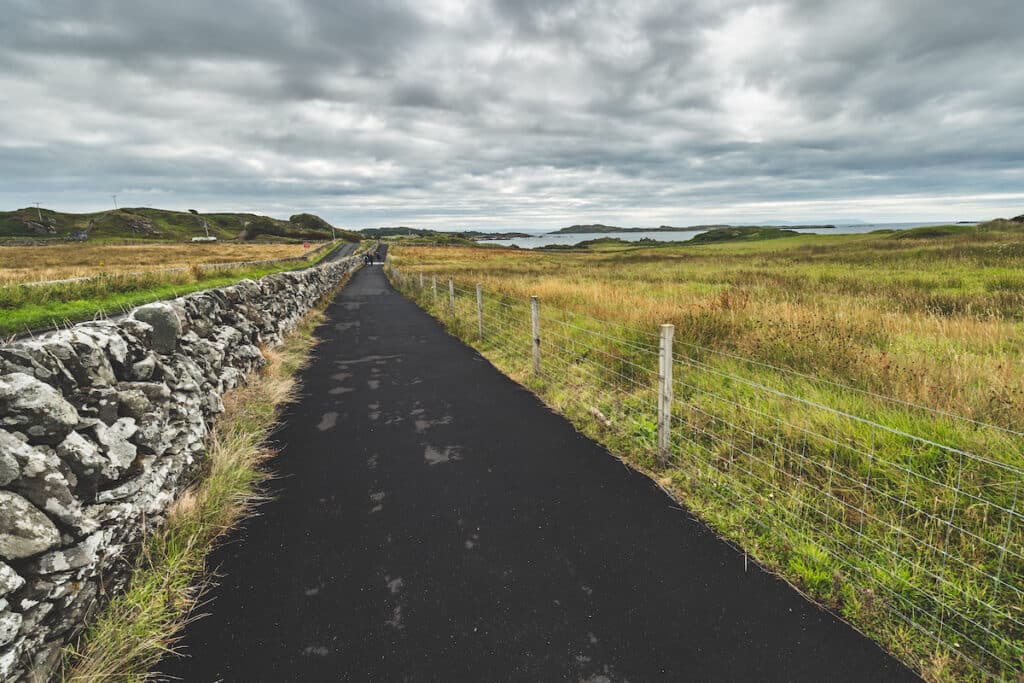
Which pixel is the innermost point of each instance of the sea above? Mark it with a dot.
(545, 239)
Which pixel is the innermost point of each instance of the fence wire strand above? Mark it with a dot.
(930, 528)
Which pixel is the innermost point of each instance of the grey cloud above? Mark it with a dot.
(512, 113)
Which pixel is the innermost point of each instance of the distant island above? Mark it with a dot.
(600, 228)
(476, 235)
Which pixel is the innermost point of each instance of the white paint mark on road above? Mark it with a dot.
(379, 360)
(327, 421)
(436, 456)
(395, 621)
(423, 425)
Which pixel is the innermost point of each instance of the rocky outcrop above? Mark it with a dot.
(101, 426)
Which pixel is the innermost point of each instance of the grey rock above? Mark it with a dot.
(155, 392)
(133, 403)
(44, 484)
(99, 402)
(35, 408)
(166, 324)
(10, 623)
(68, 559)
(143, 370)
(82, 455)
(30, 358)
(116, 446)
(8, 660)
(139, 337)
(178, 306)
(10, 581)
(24, 530)
(33, 614)
(153, 435)
(9, 469)
(107, 337)
(92, 356)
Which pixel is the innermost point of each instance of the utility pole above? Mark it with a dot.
(115, 201)
(39, 213)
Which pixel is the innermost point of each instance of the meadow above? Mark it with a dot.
(62, 261)
(121, 277)
(847, 408)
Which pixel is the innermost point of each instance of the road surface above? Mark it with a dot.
(433, 521)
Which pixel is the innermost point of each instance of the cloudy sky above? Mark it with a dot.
(517, 113)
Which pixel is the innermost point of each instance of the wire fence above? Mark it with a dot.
(905, 520)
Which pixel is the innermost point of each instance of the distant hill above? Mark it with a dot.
(162, 224)
(398, 231)
(592, 228)
(440, 235)
(742, 233)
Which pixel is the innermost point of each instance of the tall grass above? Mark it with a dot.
(25, 308)
(63, 261)
(138, 628)
(815, 472)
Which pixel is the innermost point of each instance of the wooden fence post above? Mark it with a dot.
(535, 319)
(421, 281)
(480, 310)
(433, 279)
(451, 295)
(665, 393)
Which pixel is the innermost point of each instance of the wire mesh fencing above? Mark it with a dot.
(903, 519)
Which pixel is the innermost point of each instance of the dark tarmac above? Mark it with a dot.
(433, 521)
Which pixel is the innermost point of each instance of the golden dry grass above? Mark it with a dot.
(920, 324)
(900, 519)
(61, 261)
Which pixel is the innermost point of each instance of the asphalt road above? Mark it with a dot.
(433, 521)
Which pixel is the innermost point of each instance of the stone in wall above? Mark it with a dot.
(101, 426)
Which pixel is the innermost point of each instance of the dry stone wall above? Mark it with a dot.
(101, 426)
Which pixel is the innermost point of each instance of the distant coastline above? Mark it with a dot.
(609, 229)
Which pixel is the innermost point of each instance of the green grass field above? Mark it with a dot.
(846, 407)
(25, 308)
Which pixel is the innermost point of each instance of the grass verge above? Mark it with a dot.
(136, 629)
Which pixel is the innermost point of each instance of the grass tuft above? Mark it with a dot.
(139, 627)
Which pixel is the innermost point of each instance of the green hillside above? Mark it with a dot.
(161, 224)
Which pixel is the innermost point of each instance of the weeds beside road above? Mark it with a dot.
(138, 628)
(847, 408)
